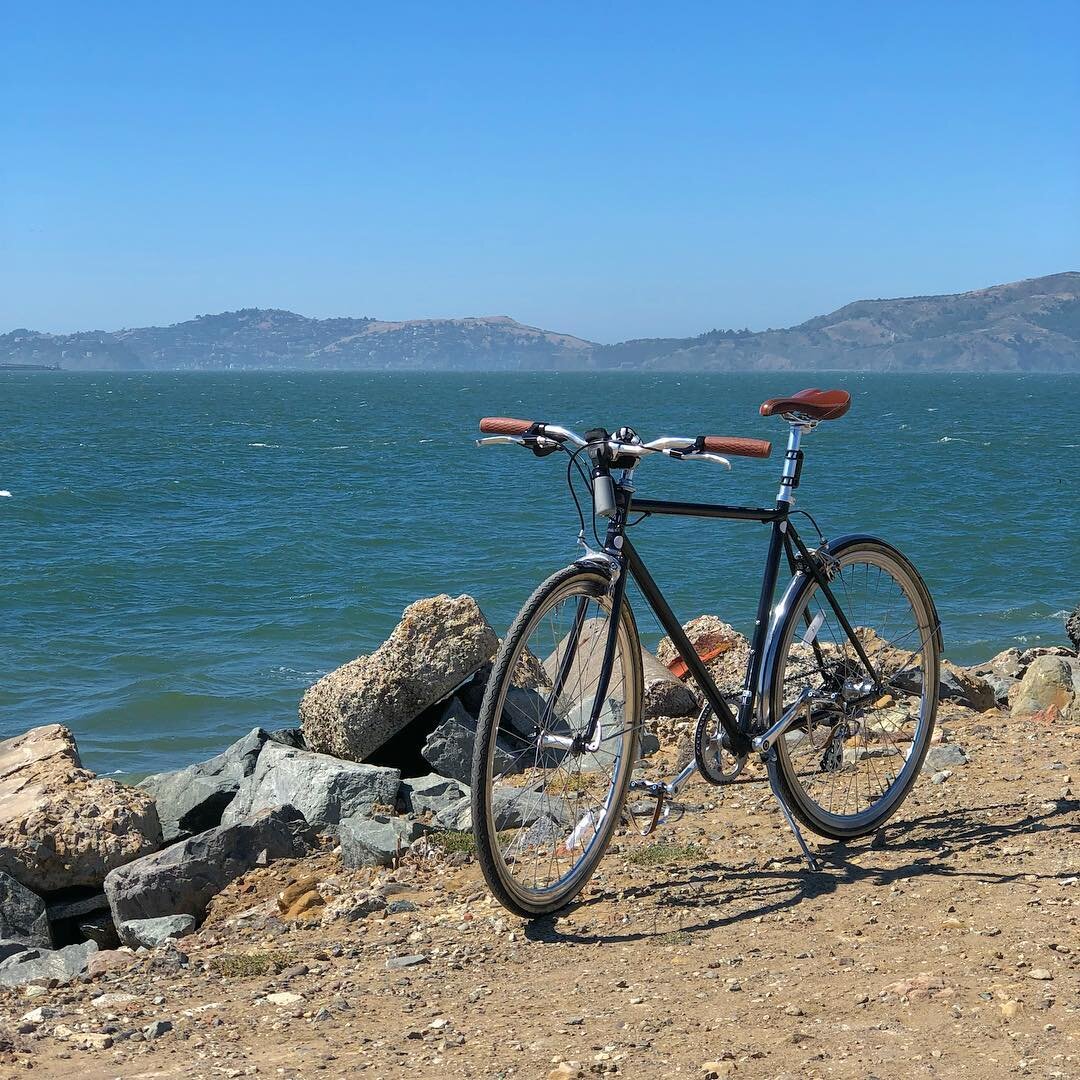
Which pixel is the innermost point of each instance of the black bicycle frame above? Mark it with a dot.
(783, 539)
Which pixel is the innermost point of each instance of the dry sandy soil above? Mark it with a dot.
(948, 946)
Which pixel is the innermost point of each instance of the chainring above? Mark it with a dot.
(718, 765)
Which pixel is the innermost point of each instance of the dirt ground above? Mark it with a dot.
(948, 946)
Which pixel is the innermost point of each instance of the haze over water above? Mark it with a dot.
(181, 555)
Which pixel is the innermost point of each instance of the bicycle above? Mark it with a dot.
(838, 699)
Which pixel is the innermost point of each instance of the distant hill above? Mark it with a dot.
(1031, 325)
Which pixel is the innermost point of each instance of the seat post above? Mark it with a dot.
(793, 459)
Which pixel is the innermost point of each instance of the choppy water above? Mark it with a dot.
(181, 555)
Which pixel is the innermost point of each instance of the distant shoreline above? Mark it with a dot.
(795, 373)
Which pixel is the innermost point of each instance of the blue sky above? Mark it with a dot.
(610, 170)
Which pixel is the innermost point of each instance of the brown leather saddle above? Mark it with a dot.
(816, 404)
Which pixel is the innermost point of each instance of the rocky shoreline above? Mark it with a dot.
(97, 878)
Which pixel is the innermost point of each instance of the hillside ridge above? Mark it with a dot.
(1028, 325)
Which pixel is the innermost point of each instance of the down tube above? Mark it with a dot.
(740, 743)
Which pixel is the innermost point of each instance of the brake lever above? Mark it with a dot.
(698, 455)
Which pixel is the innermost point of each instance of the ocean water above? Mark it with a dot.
(181, 555)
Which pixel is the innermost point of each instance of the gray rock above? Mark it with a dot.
(365, 906)
(648, 744)
(72, 909)
(432, 794)
(183, 878)
(1001, 685)
(10, 947)
(22, 914)
(152, 932)
(291, 736)
(63, 965)
(156, 1030)
(943, 756)
(324, 789)
(193, 799)
(457, 817)
(405, 961)
(959, 685)
(449, 748)
(439, 644)
(98, 927)
(513, 808)
(375, 841)
(1072, 628)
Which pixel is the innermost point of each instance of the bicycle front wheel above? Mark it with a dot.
(860, 736)
(547, 796)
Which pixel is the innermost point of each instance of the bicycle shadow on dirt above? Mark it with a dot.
(736, 894)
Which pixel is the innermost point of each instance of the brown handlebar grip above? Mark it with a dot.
(722, 444)
(504, 425)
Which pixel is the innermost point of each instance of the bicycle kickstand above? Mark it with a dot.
(661, 793)
(811, 859)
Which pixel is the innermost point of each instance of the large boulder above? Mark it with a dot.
(192, 800)
(22, 914)
(324, 789)
(61, 965)
(439, 644)
(60, 826)
(1050, 682)
(182, 879)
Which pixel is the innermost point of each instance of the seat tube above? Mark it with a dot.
(789, 478)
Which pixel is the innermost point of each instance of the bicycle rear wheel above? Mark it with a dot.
(847, 763)
(544, 804)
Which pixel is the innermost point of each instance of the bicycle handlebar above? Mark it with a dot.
(703, 447)
(504, 425)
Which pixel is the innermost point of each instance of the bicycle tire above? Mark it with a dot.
(849, 553)
(574, 580)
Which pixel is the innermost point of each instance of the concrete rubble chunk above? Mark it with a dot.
(192, 800)
(60, 825)
(324, 789)
(22, 914)
(724, 650)
(440, 642)
(153, 932)
(664, 694)
(376, 841)
(60, 964)
(183, 878)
